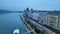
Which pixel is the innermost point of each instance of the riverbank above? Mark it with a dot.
(28, 26)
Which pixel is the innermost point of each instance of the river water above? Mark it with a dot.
(11, 21)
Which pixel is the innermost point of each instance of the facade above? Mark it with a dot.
(49, 19)
(59, 22)
(35, 16)
(30, 14)
(42, 16)
(53, 20)
(27, 12)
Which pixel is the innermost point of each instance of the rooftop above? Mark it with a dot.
(54, 12)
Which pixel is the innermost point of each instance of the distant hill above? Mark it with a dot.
(6, 11)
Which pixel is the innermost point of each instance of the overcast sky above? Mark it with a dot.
(35, 4)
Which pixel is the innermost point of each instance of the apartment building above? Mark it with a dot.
(42, 17)
(53, 20)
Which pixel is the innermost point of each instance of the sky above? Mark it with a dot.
(20, 5)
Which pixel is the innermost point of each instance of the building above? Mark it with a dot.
(42, 16)
(53, 20)
(26, 12)
(30, 14)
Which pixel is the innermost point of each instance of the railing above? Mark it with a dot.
(46, 26)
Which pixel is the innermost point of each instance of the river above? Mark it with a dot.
(11, 21)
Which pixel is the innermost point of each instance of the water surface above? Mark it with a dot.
(10, 22)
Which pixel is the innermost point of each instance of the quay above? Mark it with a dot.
(28, 28)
